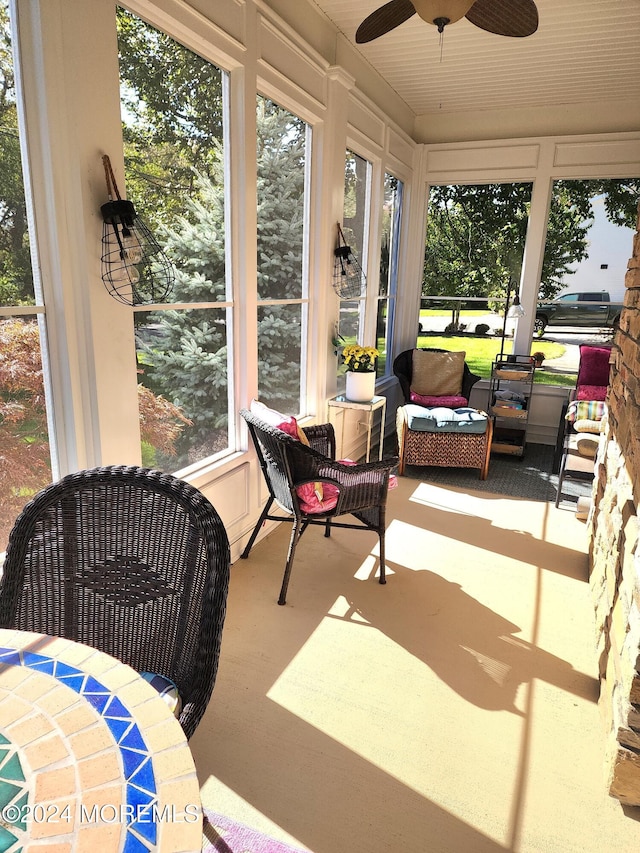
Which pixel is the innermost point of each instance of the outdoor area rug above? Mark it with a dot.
(222, 835)
(526, 477)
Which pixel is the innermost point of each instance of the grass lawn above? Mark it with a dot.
(446, 312)
(481, 351)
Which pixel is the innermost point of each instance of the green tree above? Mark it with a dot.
(16, 277)
(172, 118)
(281, 153)
(188, 361)
(476, 233)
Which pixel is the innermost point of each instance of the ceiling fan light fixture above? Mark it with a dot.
(516, 18)
(442, 12)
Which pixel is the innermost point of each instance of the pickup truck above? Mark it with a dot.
(586, 308)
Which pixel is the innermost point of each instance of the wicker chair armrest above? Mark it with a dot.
(322, 438)
(360, 486)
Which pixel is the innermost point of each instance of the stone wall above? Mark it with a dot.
(614, 552)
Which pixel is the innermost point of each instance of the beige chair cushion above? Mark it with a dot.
(587, 445)
(586, 425)
(437, 374)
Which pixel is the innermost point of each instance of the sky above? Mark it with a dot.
(609, 244)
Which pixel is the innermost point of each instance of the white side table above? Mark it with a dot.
(341, 402)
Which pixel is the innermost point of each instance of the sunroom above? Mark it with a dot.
(246, 132)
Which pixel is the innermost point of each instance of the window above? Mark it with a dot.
(173, 106)
(356, 217)
(389, 249)
(589, 239)
(25, 451)
(590, 235)
(473, 256)
(284, 143)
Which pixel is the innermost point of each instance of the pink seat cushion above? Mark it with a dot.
(446, 402)
(594, 365)
(312, 504)
(591, 392)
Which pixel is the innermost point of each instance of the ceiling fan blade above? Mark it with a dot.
(384, 19)
(517, 18)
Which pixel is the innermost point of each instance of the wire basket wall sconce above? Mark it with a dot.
(348, 278)
(135, 270)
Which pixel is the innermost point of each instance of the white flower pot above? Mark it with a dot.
(361, 387)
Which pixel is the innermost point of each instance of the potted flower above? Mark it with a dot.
(361, 372)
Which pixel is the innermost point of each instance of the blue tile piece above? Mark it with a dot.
(3, 739)
(64, 669)
(134, 845)
(93, 686)
(144, 778)
(117, 709)
(138, 798)
(98, 700)
(132, 761)
(39, 662)
(75, 682)
(118, 728)
(147, 828)
(134, 740)
(10, 656)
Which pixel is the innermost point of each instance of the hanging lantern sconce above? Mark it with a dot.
(135, 270)
(348, 277)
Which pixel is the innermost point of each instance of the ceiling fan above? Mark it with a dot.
(517, 18)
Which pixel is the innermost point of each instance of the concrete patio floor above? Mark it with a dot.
(453, 710)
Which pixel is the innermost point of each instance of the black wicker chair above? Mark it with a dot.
(130, 561)
(403, 369)
(288, 463)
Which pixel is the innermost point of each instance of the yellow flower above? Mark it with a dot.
(360, 359)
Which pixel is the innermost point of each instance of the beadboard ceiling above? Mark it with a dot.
(584, 51)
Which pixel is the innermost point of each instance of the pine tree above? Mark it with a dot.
(187, 359)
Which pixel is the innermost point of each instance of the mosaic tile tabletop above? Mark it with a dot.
(91, 759)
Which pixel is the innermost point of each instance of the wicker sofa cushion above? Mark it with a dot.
(452, 402)
(442, 419)
(437, 374)
(591, 392)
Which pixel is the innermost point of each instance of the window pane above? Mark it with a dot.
(590, 237)
(172, 122)
(283, 146)
(24, 439)
(474, 248)
(183, 390)
(173, 108)
(357, 191)
(389, 248)
(356, 207)
(16, 276)
(282, 152)
(25, 452)
(280, 354)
